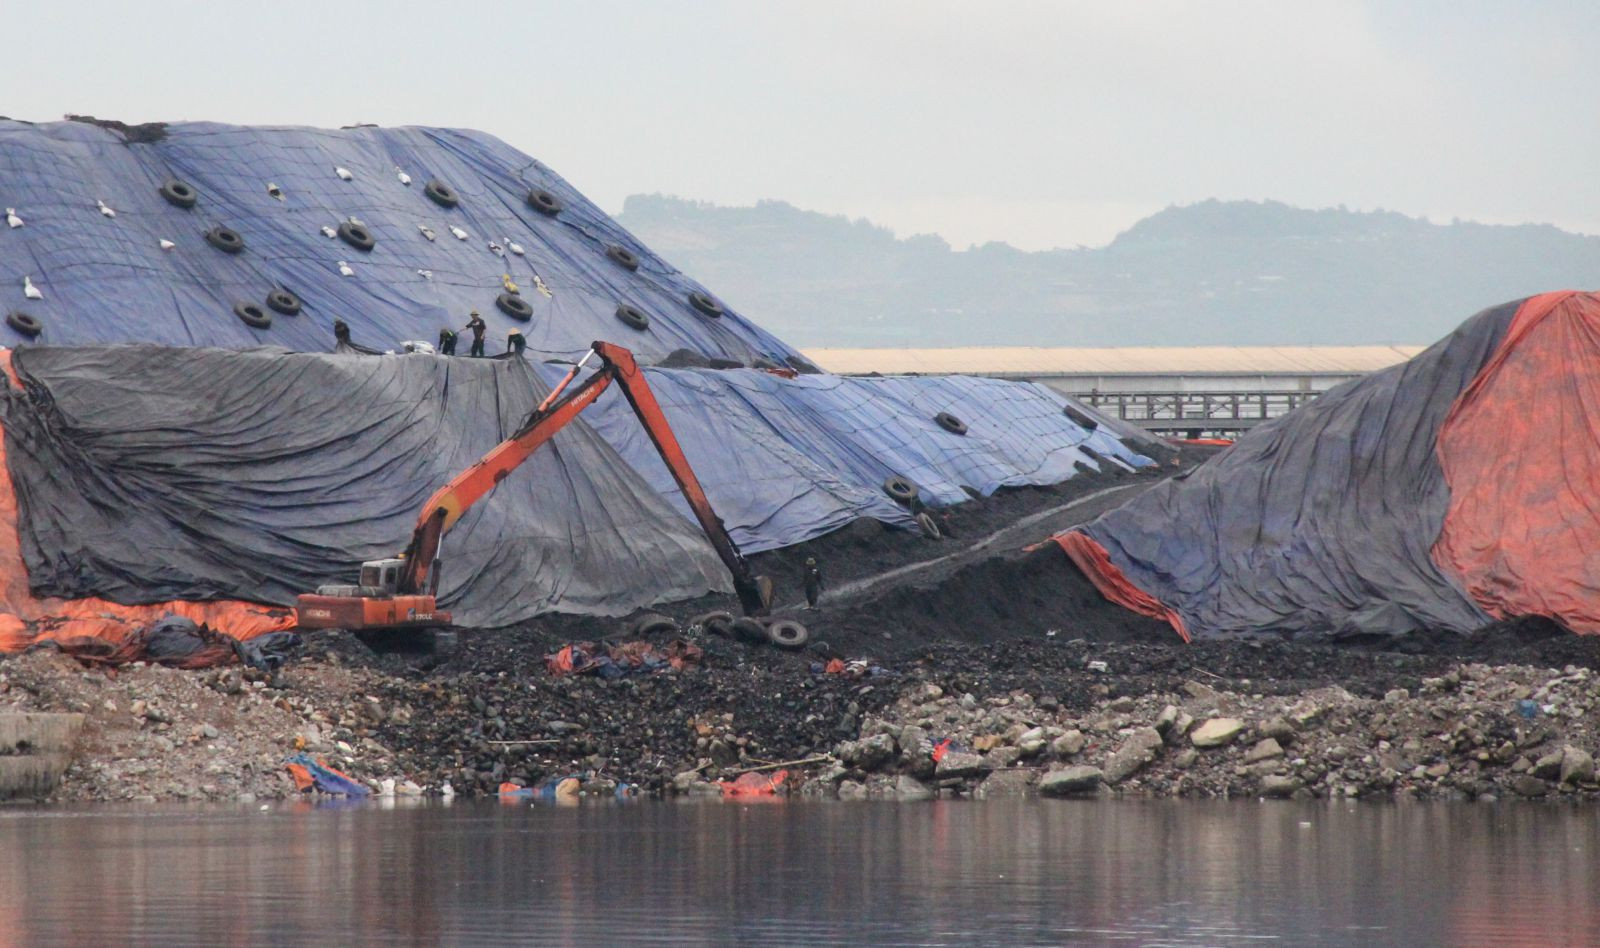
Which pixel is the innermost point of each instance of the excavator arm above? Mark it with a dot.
(617, 365)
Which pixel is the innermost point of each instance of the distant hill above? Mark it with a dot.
(1228, 273)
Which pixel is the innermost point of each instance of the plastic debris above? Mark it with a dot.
(31, 291)
(509, 285)
(329, 231)
(343, 173)
(417, 345)
(274, 190)
(344, 269)
(405, 179)
(496, 249)
(425, 274)
(167, 244)
(426, 231)
(514, 247)
(1098, 667)
(108, 212)
(754, 785)
(538, 284)
(312, 774)
(12, 220)
(459, 233)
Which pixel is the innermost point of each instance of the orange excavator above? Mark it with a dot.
(399, 592)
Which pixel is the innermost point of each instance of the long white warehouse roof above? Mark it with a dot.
(1038, 361)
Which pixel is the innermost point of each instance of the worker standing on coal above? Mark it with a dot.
(478, 327)
(813, 582)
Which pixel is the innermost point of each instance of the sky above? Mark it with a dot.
(1041, 124)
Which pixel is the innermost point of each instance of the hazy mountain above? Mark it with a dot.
(1235, 273)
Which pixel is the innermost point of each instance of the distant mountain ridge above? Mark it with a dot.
(1212, 273)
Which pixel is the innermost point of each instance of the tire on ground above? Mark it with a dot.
(653, 623)
(927, 526)
(788, 634)
(716, 623)
(900, 489)
(749, 630)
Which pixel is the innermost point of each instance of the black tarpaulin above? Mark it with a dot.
(145, 474)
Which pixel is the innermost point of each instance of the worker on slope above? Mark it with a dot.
(447, 342)
(813, 582)
(478, 327)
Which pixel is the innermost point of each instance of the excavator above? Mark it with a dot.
(400, 592)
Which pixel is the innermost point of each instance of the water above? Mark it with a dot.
(955, 873)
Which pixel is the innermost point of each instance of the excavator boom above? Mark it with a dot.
(410, 598)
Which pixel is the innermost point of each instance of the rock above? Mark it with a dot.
(1002, 757)
(1548, 766)
(850, 790)
(1166, 719)
(1199, 692)
(1030, 736)
(682, 781)
(1438, 770)
(1121, 705)
(1005, 783)
(1216, 732)
(1070, 780)
(1186, 758)
(968, 702)
(957, 764)
(1279, 785)
(562, 727)
(207, 732)
(1180, 727)
(1032, 748)
(703, 788)
(1577, 766)
(907, 787)
(1396, 695)
(1528, 786)
(1265, 749)
(1069, 744)
(1279, 729)
(867, 753)
(1137, 751)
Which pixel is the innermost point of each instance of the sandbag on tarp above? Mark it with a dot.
(787, 459)
(148, 474)
(1320, 521)
(108, 279)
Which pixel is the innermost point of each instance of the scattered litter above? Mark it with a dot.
(856, 668)
(514, 247)
(1098, 667)
(343, 173)
(538, 284)
(344, 269)
(425, 274)
(167, 244)
(30, 291)
(496, 249)
(329, 231)
(509, 285)
(405, 179)
(566, 787)
(629, 658)
(12, 220)
(108, 212)
(417, 345)
(274, 190)
(426, 231)
(458, 233)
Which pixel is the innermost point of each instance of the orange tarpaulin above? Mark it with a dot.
(25, 619)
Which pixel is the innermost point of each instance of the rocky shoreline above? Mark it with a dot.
(1242, 719)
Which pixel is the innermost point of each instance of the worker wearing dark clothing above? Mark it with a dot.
(478, 327)
(447, 342)
(341, 331)
(946, 527)
(813, 581)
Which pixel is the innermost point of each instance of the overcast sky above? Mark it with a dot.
(1038, 123)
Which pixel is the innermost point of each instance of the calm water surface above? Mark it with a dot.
(946, 873)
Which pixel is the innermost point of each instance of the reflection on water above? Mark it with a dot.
(1039, 872)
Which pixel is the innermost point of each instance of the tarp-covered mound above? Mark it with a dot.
(108, 278)
(788, 459)
(1460, 487)
(144, 474)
